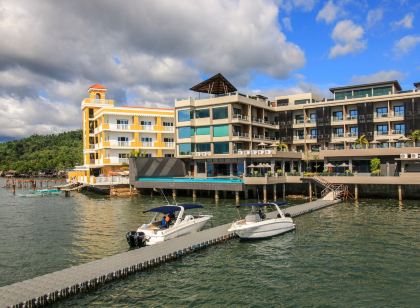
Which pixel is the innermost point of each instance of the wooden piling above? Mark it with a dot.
(400, 194)
(264, 193)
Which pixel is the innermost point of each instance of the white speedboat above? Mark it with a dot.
(158, 230)
(258, 224)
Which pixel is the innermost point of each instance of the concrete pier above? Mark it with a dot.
(46, 289)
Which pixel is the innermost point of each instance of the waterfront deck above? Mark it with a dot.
(81, 278)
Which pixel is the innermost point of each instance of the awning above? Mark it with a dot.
(261, 204)
(167, 209)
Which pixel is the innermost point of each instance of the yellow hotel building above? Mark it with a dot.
(111, 133)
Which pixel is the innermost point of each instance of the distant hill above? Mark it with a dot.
(49, 153)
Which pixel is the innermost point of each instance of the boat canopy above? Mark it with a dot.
(261, 204)
(167, 209)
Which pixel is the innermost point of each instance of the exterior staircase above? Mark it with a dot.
(331, 191)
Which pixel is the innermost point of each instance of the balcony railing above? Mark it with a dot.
(123, 143)
(147, 127)
(169, 144)
(147, 144)
(339, 135)
(240, 117)
(337, 119)
(258, 136)
(351, 117)
(168, 128)
(240, 134)
(122, 126)
(123, 160)
(381, 114)
(299, 121)
(298, 137)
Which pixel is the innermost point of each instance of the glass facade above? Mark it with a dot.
(382, 91)
(221, 147)
(354, 131)
(399, 128)
(202, 147)
(382, 112)
(339, 132)
(220, 130)
(399, 111)
(202, 130)
(343, 95)
(184, 132)
(184, 115)
(184, 148)
(202, 113)
(220, 113)
(353, 114)
(337, 116)
(362, 93)
(382, 129)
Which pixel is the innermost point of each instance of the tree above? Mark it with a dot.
(281, 146)
(414, 136)
(362, 141)
(375, 166)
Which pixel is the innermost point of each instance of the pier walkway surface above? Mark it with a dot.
(51, 287)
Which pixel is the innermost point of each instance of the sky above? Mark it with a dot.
(150, 52)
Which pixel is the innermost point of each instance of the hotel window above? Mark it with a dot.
(337, 116)
(202, 130)
(122, 122)
(301, 101)
(314, 132)
(122, 139)
(382, 129)
(398, 111)
(168, 124)
(352, 114)
(184, 148)
(146, 139)
(169, 155)
(362, 93)
(315, 148)
(237, 111)
(382, 112)
(220, 113)
(399, 129)
(339, 132)
(382, 91)
(299, 119)
(123, 155)
(202, 147)
(145, 123)
(221, 147)
(312, 117)
(184, 132)
(168, 139)
(202, 113)
(220, 130)
(184, 115)
(354, 131)
(343, 95)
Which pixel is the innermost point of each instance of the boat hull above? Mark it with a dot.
(263, 229)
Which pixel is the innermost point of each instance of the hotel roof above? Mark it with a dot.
(97, 86)
(374, 84)
(217, 84)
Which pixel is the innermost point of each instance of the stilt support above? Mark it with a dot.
(400, 194)
(310, 191)
(264, 193)
(356, 192)
(216, 195)
(194, 194)
(284, 192)
(237, 196)
(174, 193)
(275, 192)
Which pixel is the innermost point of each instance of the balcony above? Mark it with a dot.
(123, 144)
(381, 115)
(338, 135)
(337, 119)
(240, 117)
(149, 128)
(300, 137)
(123, 160)
(200, 154)
(122, 126)
(169, 144)
(261, 137)
(351, 117)
(147, 144)
(168, 129)
(240, 134)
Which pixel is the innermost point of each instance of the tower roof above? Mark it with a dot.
(97, 86)
(217, 84)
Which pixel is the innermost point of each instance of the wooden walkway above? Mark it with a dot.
(51, 287)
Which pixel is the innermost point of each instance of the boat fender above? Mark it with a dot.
(189, 217)
(287, 215)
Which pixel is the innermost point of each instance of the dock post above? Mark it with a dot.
(356, 192)
(216, 195)
(194, 194)
(400, 196)
(246, 193)
(265, 193)
(66, 193)
(174, 193)
(310, 191)
(237, 196)
(275, 192)
(284, 192)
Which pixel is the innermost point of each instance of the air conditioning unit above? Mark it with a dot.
(414, 155)
(403, 155)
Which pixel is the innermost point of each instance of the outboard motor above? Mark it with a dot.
(136, 239)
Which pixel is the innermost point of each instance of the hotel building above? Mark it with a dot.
(111, 133)
(227, 132)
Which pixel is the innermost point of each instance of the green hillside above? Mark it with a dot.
(49, 153)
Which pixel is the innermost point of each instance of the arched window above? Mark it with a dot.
(98, 95)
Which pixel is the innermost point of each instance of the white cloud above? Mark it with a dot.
(163, 47)
(289, 5)
(348, 38)
(406, 44)
(374, 16)
(328, 13)
(287, 23)
(405, 22)
(378, 77)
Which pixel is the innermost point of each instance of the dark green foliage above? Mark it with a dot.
(42, 153)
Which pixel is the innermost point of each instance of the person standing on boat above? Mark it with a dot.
(168, 220)
(163, 223)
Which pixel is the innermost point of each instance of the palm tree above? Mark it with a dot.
(362, 141)
(414, 136)
(282, 146)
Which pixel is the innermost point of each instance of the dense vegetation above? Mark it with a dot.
(49, 154)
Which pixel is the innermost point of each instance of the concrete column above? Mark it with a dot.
(216, 195)
(400, 194)
(273, 163)
(237, 196)
(351, 165)
(246, 193)
(231, 169)
(356, 192)
(299, 166)
(194, 194)
(264, 193)
(284, 192)
(275, 192)
(387, 169)
(310, 191)
(174, 193)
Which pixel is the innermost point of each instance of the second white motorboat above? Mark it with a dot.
(158, 230)
(259, 224)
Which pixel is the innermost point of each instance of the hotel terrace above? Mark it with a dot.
(227, 133)
(111, 133)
